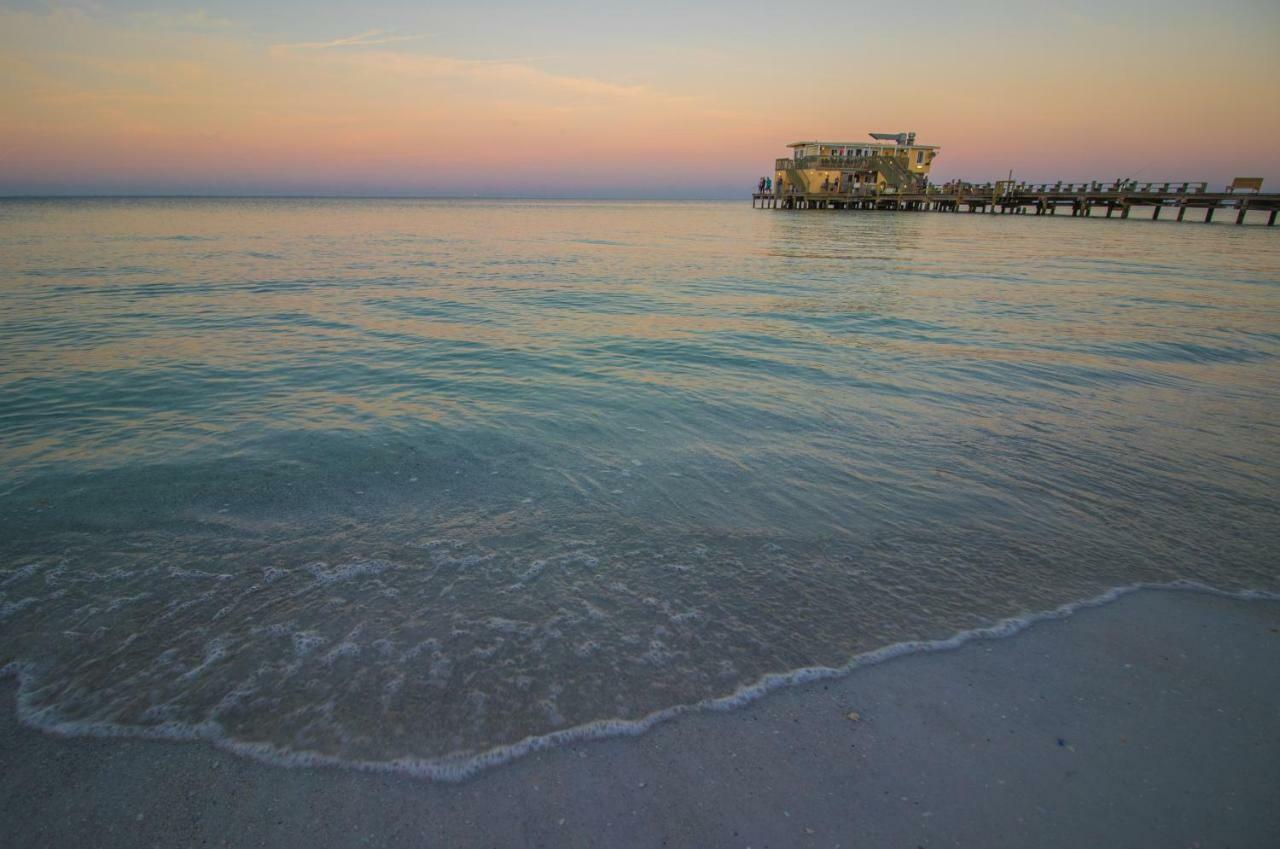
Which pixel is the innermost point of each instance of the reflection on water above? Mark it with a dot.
(381, 480)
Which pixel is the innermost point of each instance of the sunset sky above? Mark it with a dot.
(653, 99)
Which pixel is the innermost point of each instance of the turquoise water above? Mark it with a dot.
(421, 483)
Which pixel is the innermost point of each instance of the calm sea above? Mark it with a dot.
(427, 484)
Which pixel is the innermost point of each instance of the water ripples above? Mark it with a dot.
(392, 482)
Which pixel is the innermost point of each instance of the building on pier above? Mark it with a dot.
(891, 172)
(892, 162)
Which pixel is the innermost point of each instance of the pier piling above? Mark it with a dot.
(1008, 198)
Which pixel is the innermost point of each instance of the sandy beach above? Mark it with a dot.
(1151, 721)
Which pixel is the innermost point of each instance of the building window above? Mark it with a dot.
(919, 157)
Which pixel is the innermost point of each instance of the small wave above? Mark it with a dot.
(325, 575)
(20, 574)
(458, 767)
(1182, 352)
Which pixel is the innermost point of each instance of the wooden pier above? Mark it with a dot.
(1016, 198)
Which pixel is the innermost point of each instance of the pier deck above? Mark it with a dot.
(1080, 199)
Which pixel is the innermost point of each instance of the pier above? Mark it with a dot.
(1117, 199)
(892, 172)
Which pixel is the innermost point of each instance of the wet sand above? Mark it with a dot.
(1153, 721)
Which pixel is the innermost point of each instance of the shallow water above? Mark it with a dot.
(406, 481)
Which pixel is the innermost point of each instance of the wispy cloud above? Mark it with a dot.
(364, 39)
(497, 71)
(196, 21)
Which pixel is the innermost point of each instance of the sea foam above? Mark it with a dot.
(460, 766)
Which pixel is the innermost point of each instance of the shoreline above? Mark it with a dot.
(716, 777)
(463, 768)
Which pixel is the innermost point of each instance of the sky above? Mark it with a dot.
(602, 99)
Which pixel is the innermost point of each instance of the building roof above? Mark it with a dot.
(862, 144)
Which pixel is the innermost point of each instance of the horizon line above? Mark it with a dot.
(309, 196)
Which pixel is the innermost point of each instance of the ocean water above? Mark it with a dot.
(424, 485)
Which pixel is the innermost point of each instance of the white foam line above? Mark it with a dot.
(454, 768)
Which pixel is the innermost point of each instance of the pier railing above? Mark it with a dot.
(1176, 187)
(1130, 187)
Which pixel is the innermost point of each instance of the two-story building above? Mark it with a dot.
(892, 162)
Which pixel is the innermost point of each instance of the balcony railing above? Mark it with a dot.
(859, 163)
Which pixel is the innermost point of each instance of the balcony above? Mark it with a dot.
(836, 163)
